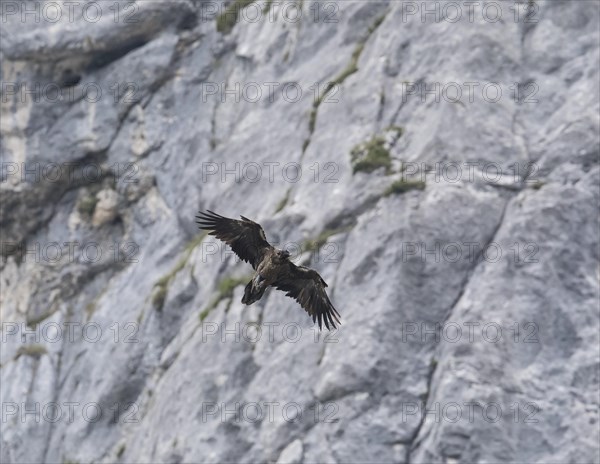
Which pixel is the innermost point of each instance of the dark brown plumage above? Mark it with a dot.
(272, 267)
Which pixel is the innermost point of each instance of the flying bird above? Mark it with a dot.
(272, 267)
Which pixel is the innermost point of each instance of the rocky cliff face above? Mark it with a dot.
(436, 162)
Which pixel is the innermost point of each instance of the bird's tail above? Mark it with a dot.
(253, 291)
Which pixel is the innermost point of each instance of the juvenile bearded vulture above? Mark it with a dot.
(272, 267)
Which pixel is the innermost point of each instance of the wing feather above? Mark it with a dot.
(307, 287)
(246, 238)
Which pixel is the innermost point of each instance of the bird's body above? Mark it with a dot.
(274, 263)
(272, 267)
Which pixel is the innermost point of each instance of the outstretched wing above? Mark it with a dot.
(307, 287)
(246, 238)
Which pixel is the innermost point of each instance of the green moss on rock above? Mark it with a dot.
(227, 20)
(87, 205)
(35, 351)
(403, 185)
(371, 155)
(284, 201)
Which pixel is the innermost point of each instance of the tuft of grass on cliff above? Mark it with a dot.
(227, 20)
(401, 186)
(371, 155)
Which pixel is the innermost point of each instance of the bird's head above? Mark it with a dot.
(283, 254)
